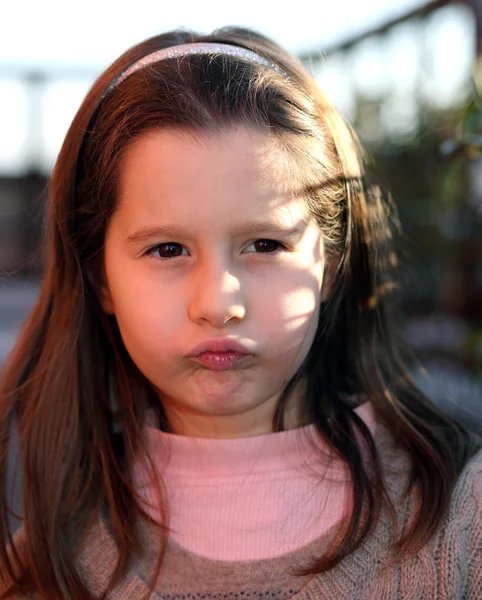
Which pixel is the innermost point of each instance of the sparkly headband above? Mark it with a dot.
(195, 48)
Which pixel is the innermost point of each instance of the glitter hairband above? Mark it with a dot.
(195, 48)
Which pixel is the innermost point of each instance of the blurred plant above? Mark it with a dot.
(458, 152)
(467, 141)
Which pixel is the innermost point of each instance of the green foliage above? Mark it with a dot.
(431, 179)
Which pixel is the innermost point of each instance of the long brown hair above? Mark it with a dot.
(69, 360)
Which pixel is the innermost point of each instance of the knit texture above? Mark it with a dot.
(448, 567)
(249, 498)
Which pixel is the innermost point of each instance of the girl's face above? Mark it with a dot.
(205, 245)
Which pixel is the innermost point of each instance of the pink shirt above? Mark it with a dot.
(249, 498)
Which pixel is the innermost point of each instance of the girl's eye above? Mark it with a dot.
(173, 249)
(167, 250)
(267, 246)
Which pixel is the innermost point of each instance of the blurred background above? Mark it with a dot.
(406, 74)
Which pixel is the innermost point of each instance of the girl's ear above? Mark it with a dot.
(328, 279)
(105, 299)
(99, 284)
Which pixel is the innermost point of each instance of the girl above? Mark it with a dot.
(209, 394)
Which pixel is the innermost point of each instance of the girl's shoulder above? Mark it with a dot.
(456, 550)
(449, 565)
(466, 504)
(396, 465)
(471, 477)
(463, 519)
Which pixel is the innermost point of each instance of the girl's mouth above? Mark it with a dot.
(220, 361)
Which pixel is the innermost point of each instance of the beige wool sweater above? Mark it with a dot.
(448, 567)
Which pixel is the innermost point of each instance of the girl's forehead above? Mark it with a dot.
(194, 175)
(229, 157)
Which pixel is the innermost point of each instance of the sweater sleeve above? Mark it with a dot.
(471, 501)
(450, 565)
(459, 552)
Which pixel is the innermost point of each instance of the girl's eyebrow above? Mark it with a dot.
(251, 227)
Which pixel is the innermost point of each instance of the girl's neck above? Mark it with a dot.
(256, 422)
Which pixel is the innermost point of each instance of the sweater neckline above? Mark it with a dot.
(99, 553)
(185, 456)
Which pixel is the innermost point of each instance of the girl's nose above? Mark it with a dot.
(216, 297)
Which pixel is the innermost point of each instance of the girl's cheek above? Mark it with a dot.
(298, 305)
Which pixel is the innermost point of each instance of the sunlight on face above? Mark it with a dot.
(201, 248)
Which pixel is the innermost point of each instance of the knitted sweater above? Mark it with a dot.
(248, 498)
(449, 566)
